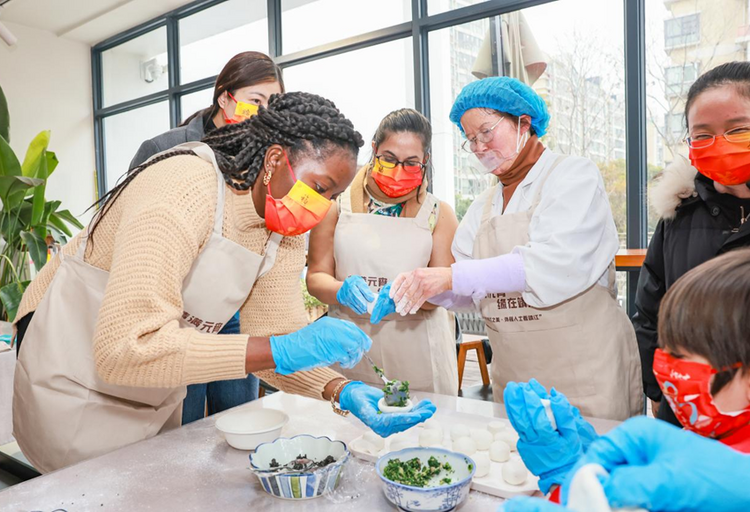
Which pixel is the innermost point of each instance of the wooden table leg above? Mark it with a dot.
(461, 363)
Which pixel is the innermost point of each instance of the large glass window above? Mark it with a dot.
(308, 23)
(135, 68)
(684, 39)
(192, 103)
(438, 6)
(365, 84)
(209, 38)
(575, 65)
(124, 134)
(682, 31)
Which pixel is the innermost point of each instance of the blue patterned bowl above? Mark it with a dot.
(429, 499)
(302, 485)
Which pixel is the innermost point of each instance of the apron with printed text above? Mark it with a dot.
(63, 412)
(419, 348)
(585, 347)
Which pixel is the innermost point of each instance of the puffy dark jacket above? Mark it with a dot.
(697, 224)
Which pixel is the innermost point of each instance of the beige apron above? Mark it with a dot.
(585, 347)
(420, 348)
(63, 412)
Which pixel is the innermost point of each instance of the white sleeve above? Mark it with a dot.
(572, 235)
(463, 240)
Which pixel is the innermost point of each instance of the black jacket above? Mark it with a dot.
(193, 131)
(697, 224)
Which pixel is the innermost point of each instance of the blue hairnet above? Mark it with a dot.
(505, 95)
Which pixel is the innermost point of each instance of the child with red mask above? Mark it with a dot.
(703, 363)
(702, 367)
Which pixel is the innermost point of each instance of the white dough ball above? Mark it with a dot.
(499, 451)
(509, 437)
(465, 445)
(433, 424)
(496, 426)
(367, 447)
(514, 472)
(375, 440)
(459, 430)
(400, 442)
(482, 437)
(483, 464)
(429, 437)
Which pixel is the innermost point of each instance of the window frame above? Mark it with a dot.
(421, 24)
(681, 20)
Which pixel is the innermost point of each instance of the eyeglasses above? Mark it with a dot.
(483, 137)
(388, 162)
(704, 140)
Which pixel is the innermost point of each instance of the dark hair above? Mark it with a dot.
(405, 120)
(300, 122)
(706, 313)
(736, 73)
(242, 70)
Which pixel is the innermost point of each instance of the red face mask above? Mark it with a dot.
(242, 111)
(297, 212)
(396, 181)
(687, 387)
(725, 162)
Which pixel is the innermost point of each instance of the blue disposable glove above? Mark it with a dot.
(659, 467)
(362, 401)
(549, 453)
(585, 429)
(529, 504)
(384, 306)
(355, 294)
(322, 343)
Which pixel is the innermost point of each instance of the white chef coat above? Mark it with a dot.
(572, 235)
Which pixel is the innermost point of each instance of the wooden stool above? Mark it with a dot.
(472, 343)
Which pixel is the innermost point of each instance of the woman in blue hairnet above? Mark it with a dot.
(535, 253)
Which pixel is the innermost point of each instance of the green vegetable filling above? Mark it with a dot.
(414, 473)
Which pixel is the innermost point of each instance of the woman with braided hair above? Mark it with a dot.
(115, 327)
(246, 82)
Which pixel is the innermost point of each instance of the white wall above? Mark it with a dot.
(47, 81)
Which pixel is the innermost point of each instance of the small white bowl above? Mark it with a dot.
(245, 430)
(300, 485)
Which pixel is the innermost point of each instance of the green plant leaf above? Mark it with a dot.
(4, 117)
(13, 189)
(37, 210)
(9, 165)
(49, 208)
(10, 295)
(58, 235)
(52, 162)
(57, 222)
(70, 218)
(35, 156)
(37, 248)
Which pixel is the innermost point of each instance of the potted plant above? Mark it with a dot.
(27, 219)
(315, 309)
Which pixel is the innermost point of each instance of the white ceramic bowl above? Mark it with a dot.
(429, 499)
(301, 485)
(245, 430)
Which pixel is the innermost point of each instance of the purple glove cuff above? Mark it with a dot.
(477, 278)
(450, 300)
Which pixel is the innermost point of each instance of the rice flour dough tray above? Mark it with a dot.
(492, 483)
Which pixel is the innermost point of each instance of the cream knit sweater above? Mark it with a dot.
(148, 242)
